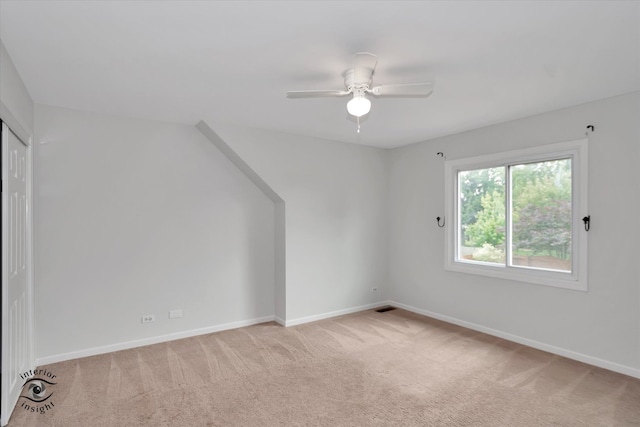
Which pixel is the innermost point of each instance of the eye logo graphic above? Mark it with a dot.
(37, 390)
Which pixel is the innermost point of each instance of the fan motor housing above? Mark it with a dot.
(351, 84)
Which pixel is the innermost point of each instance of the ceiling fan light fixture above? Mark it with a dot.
(358, 83)
(359, 105)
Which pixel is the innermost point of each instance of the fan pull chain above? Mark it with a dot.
(358, 121)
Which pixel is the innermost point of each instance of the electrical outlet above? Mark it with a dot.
(174, 314)
(148, 318)
(374, 289)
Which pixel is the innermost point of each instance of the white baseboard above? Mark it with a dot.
(148, 341)
(194, 332)
(307, 319)
(601, 363)
(612, 366)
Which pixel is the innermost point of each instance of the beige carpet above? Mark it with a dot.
(366, 369)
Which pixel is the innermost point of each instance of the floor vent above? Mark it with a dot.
(385, 308)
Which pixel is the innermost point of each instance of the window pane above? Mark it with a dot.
(541, 215)
(481, 222)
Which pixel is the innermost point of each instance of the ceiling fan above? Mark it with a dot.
(358, 82)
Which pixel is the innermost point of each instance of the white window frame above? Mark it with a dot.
(578, 152)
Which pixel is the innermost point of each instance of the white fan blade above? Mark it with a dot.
(410, 89)
(363, 67)
(315, 93)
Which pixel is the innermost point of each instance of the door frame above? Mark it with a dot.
(25, 137)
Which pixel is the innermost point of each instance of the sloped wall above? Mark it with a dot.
(336, 217)
(280, 290)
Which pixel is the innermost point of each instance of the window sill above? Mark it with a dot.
(546, 278)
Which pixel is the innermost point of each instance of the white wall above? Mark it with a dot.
(14, 95)
(136, 217)
(279, 250)
(336, 217)
(603, 323)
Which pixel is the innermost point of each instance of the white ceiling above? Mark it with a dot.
(232, 62)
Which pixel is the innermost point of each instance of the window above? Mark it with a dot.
(517, 215)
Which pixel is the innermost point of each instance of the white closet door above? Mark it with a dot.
(15, 247)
